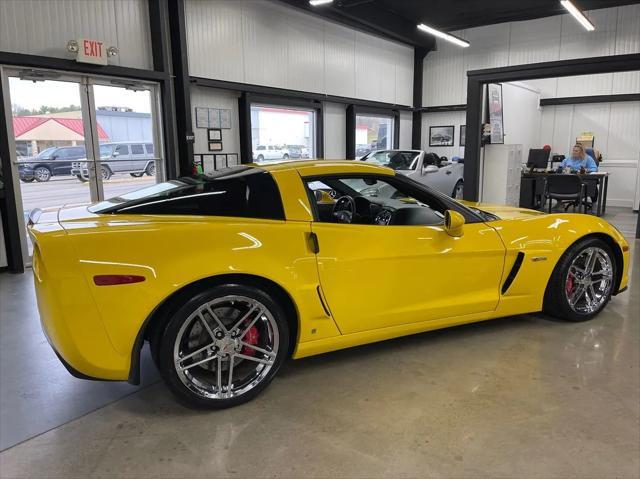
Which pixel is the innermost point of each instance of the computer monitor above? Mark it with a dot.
(538, 158)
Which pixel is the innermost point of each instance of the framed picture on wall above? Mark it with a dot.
(441, 135)
(215, 146)
(463, 134)
(214, 134)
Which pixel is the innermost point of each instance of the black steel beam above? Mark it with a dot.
(418, 77)
(577, 100)
(182, 87)
(436, 109)
(161, 52)
(71, 66)
(8, 207)
(350, 125)
(471, 172)
(244, 124)
(563, 68)
(283, 92)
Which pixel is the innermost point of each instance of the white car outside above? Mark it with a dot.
(270, 152)
(426, 168)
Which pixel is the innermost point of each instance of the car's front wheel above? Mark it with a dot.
(223, 347)
(582, 282)
(150, 170)
(42, 174)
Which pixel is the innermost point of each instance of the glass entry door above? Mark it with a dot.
(80, 139)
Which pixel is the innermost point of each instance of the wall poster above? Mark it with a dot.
(494, 97)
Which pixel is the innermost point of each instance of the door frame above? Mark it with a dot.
(85, 83)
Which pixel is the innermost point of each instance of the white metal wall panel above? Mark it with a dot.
(585, 85)
(335, 120)
(547, 127)
(535, 41)
(443, 76)
(265, 44)
(624, 131)
(43, 27)
(563, 139)
(214, 39)
(626, 82)
(595, 118)
(406, 122)
(375, 69)
(489, 47)
(628, 30)
(404, 74)
(339, 57)
(305, 37)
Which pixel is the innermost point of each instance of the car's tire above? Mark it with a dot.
(285, 156)
(151, 169)
(105, 172)
(27, 180)
(582, 282)
(82, 178)
(260, 158)
(458, 190)
(194, 350)
(42, 174)
(137, 175)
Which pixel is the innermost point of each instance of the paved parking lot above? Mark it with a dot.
(64, 190)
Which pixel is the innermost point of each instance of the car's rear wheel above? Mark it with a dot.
(223, 347)
(285, 156)
(137, 175)
(151, 169)
(105, 172)
(582, 282)
(458, 190)
(42, 174)
(260, 158)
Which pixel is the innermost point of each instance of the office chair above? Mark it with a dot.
(591, 191)
(566, 189)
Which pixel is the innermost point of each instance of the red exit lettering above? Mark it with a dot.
(93, 48)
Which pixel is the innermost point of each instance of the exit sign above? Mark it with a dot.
(92, 51)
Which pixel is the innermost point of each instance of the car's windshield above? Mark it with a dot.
(46, 153)
(106, 150)
(397, 160)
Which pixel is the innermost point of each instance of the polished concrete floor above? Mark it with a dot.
(522, 397)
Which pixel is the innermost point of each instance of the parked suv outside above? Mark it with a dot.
(135, 158)
(270, 152)
(54, 161)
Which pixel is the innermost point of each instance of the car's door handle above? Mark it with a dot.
(448, 172)
(313, 240)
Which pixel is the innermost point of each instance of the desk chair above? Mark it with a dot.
(566, 189)
(591, 185)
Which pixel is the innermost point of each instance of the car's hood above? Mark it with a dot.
(502, 211)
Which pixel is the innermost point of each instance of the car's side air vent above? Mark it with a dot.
(514, 271)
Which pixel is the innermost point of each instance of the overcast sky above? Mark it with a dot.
(32, 95)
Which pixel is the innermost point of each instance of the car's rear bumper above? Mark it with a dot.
(68, 314)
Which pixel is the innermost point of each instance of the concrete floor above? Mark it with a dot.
(518, 397)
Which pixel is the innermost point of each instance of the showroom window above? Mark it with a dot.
(373, 133)
(282, 132)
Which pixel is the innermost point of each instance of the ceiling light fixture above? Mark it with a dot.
(315, 3)
(445, 36)
(578, 15)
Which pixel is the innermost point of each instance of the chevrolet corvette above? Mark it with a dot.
(226, 275)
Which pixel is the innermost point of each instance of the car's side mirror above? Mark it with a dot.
(55, 157)
(430, 169)
(453, 223)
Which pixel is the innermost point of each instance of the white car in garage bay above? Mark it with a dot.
(427, 168)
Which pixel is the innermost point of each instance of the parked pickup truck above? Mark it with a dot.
(54, 161)
(136, 158)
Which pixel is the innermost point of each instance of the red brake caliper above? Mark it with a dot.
(252, 338)
(569, 285)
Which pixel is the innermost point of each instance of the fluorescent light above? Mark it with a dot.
(445, 36)
(315, 3)
(578, 15)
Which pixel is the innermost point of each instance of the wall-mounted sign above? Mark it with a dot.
(92, 51)
(494, 97)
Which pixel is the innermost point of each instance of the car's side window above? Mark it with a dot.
(149, 147)
(373, 200)
(137, 150)
(122, 149)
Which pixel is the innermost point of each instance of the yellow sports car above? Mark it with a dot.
(228, 274)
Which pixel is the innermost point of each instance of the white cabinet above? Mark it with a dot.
(501, 174)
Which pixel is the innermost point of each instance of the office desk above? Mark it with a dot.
(532, 187)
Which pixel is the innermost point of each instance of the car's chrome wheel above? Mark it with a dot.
(226, 347)
(589, 280)
(42, 174)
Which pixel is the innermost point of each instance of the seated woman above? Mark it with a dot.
(579, 160)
